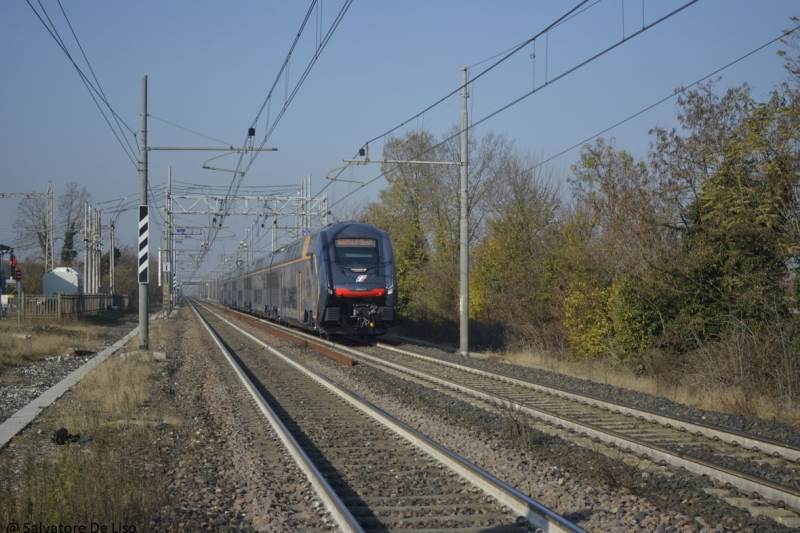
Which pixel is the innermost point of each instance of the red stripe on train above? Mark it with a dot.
(347, 293)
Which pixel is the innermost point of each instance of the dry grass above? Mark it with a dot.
(105, 477)
(31, 341)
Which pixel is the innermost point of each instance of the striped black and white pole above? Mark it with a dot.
(143, 244)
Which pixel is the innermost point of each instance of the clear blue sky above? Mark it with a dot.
(211, 64)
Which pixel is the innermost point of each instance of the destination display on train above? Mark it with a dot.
(355, 242)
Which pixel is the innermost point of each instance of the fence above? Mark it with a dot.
(58, 305)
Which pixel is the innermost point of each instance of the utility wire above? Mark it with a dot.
(118, 121)
(87, 83)
(567, 16)
(536, 89)
(187, 129)
(235, 184)
(516, 49)
(267, 101)
(666, 98)
(522, 45)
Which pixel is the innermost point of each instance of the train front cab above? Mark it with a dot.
(360, 293)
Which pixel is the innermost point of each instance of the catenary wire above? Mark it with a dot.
(318, 51)
(563, 18)
(536, 89)
(87, 83)
(117, 119)
(665, 99)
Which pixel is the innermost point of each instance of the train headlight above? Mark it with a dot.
(390, 290)
(330, 291)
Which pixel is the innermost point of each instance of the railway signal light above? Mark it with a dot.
(17, 274)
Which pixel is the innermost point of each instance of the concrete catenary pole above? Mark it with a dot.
(464, 256)
(99, 251)
(49, 260)
(144, 333)
(167, 274)
(111, 284)
(172, 254)
(85, 250)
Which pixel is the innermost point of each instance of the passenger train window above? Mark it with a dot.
(356, 253)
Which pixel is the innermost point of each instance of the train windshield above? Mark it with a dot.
(356, 253)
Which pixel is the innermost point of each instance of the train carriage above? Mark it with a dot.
(339, 280)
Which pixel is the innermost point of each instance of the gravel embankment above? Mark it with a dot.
(218, 475)
(209, 448)
(593, 490)
(756, 426)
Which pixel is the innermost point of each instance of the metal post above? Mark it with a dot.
(93, 245)
(173, 253)
(49, 261)
(464, 256)
(87, 252)
(165, 275)
(90, 247)
(144, 333)
(92, 262)
(85, 247)
(111, 280)
(99, 252)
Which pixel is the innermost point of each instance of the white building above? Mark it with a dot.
(63, 279)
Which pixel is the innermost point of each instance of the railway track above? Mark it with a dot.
(748, 466)
(370, 471)
(758, 467)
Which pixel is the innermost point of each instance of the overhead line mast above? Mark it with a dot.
(464, 205)
(143, 278)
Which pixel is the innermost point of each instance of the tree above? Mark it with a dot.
(31, 223)
(729, 211)
(619, 208)
(402, 212)
(30, 227)
(510, 282)
(70, 211)
(740, 247)
(421, 210)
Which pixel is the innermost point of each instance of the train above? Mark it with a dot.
(337, 281)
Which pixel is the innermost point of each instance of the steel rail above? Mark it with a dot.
(731, 436)
(339, 511)
(745, 482)
(539, 516)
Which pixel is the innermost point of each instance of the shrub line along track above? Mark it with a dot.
(628, 428)
(412, 457)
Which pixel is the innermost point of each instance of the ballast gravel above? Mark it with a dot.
(217, 477)
(594, 491)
